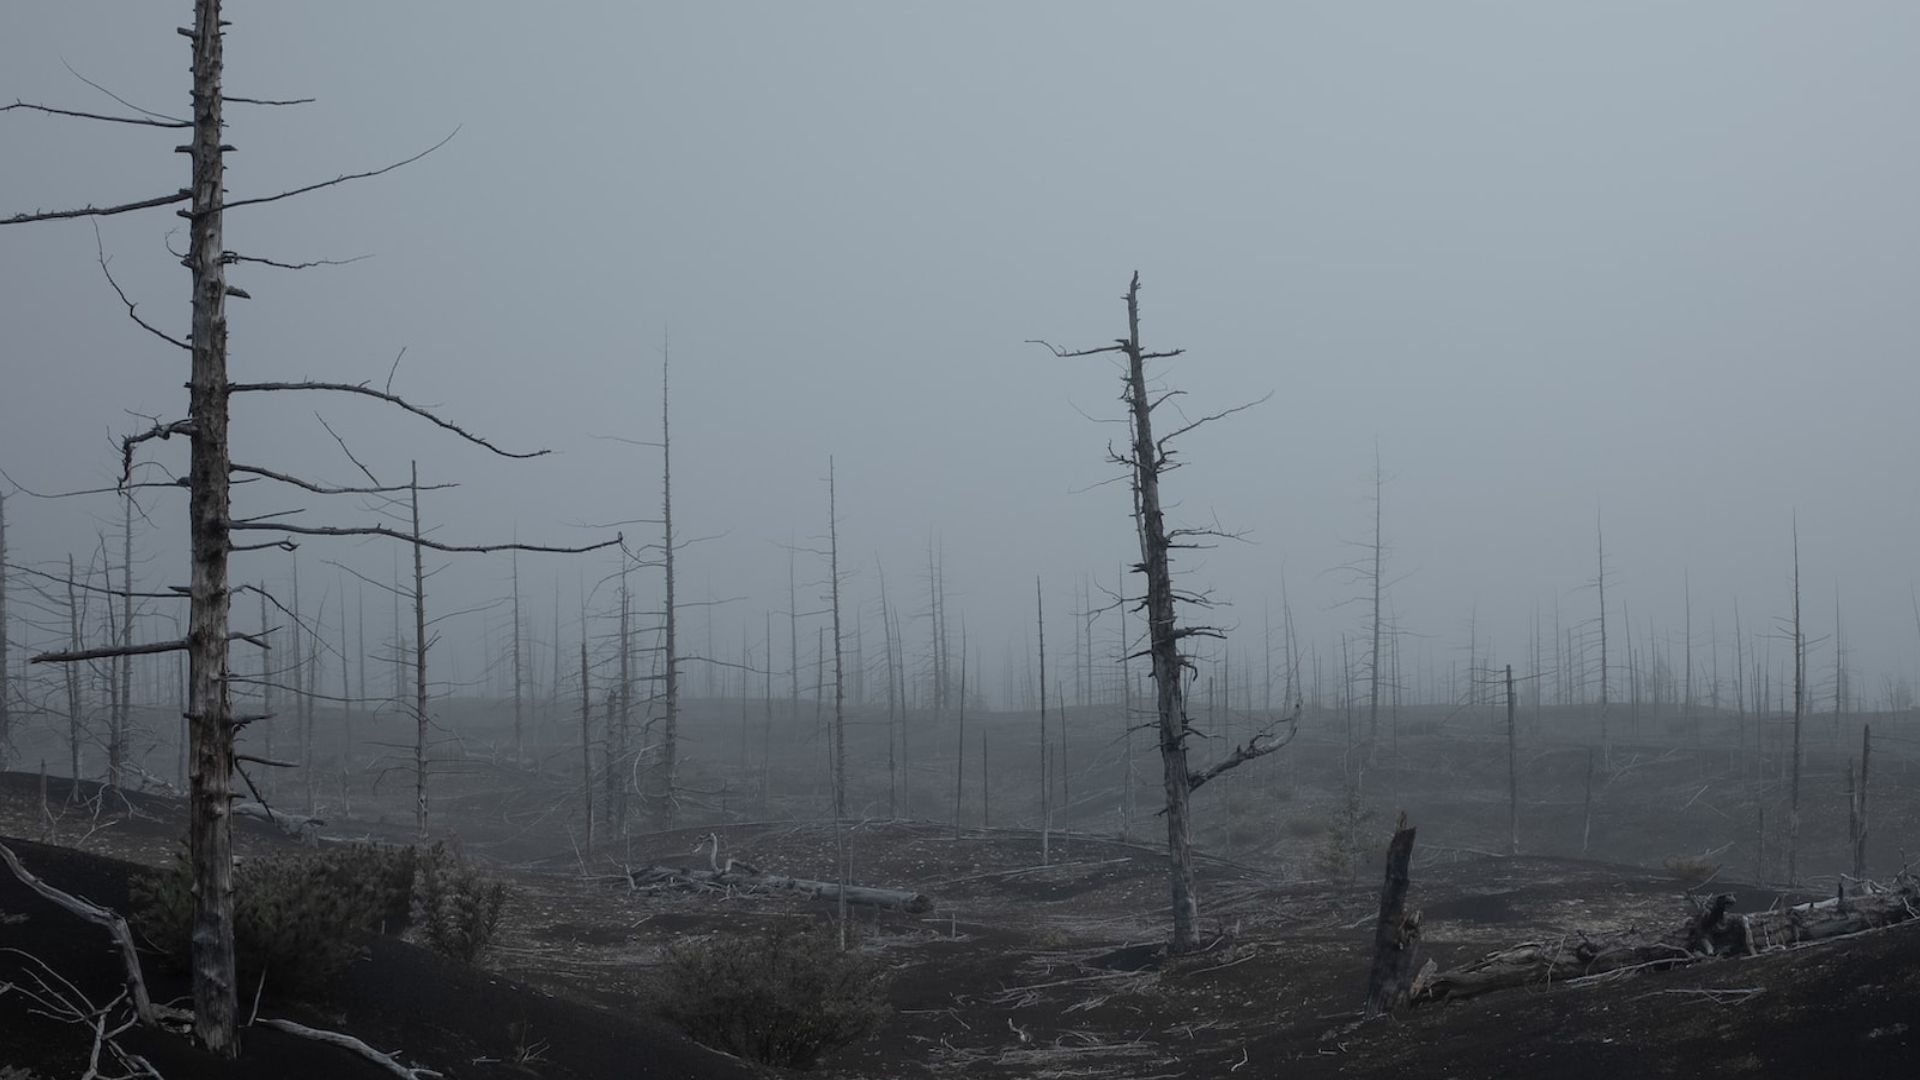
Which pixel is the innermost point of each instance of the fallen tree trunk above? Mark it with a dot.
(897, 899)
(1711, 933)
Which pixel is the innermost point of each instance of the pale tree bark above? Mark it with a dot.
(519, 744)
(6, 660)
(1046, 779)
(117, 730)
(209, 697)
(420, 722)
(1147, 459)
(586, 735)
(839, 700)
(1799, 718)
(670, 723)
(76, 720)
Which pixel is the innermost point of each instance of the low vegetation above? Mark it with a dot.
(782, 997)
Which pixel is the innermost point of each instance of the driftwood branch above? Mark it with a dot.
(389, 1062)
(144, 1008)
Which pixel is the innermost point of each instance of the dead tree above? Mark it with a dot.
(519, 744)
(586, 736)
(209, 706)
(839, 700)
(1857, 804)
(6, 669)
(1396, 935)
(1799, 717)
(1147, 459)
(1513, 774)
(960, 739)
(1046, 780)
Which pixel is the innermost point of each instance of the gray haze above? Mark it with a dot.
(1646, 261)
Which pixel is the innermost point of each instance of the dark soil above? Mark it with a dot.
(462, 1021)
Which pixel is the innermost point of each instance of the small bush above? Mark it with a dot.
(298, 918)
(456, 909)
(782, 997)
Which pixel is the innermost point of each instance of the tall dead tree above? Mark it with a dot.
(1799, 718)
(670, 722)
(519, 739)
(1857, 804)
(1147, 459)
(839, 700)
(6, 669)
(1046, 779)
(1600, 583)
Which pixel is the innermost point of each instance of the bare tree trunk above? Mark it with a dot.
(209, 702)
(419, 658)
(346, 702)
(519, 739)
(76, 725)
(1600, 582)
(1046, 779)
(586, 735)
(1799, 716)
(117, 733)
(893, 716)
(960, 750)
(670, 732)
(839, 701)
(1396, 935)
(1513, 774)
(6, 668)
(1373, 657)
(1857, 810)
(620, 717)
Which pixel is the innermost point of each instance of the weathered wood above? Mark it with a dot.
(734, 876)
(1712, 932)
(1396, 937)
(143, 1006)
(209, 698)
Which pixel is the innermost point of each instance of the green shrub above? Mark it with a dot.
(298, 918)
(456, 909)
(782, 997)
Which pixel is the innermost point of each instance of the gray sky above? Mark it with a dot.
(1650, 261)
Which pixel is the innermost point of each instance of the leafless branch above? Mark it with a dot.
(139, 120)
(82, 655)
(98, 211)
(1065, 354)
(1259, 746)
(100, 252)
(341, 179)
(391, 399)
(382, 530)
(231, 257)
(324, 489)
(231, 100)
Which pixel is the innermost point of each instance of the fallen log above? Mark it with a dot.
(1712, 932)
(896, 899)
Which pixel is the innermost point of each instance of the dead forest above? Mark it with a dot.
(310, 768)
